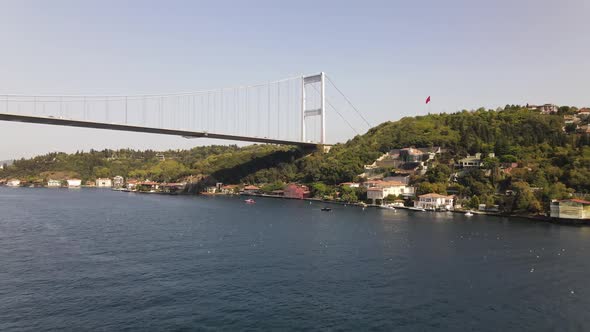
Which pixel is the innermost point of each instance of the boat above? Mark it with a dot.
(387, 207)
(417, 209)
(468, 214)
(326, 209)
(250, 201)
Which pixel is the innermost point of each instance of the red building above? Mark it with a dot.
(296, 191)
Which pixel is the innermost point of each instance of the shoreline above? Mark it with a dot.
(537, 218)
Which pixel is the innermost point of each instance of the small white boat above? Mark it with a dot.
(250, 201)
(417, 209)
(468, 214)
(387, 207)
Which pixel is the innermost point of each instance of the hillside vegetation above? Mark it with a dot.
(552, 163)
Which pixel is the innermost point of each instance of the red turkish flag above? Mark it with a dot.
(428, 99)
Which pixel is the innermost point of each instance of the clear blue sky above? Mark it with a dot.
(388, 56)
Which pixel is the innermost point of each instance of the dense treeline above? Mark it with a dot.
(551, 161)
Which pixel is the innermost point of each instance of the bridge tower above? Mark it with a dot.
(314, 110)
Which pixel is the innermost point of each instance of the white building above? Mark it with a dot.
(350, 184)
(473, 161)
(53, 183)
(74, 183)
(385, 188)
(13, 183)
(434, 201)
(104, 183)
(118, 181)
(548, 109)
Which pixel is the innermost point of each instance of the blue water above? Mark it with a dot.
(101, 260)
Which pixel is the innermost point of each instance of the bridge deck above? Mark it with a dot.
(120, 127)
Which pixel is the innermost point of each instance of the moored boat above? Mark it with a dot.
(387, 207)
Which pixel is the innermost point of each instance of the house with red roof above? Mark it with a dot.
(250, 189)
(570, 209)
(381, 189)
(298, 191)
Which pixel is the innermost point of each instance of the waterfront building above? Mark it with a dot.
(398, 203)
(147, 186)
(251, 189)
(297, 191)
(13, 183)
(53, 183)
(229, 189)
(172, 187)
(570, 209)
(118, 181)
(380, 190)
(74, 183)
(104, 183)
(131, 184)
(433, 201)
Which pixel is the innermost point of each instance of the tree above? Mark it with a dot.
(167, 171)
(474, 202)
(102, 172)
(438, 173)
(525, 199)
(570, 128)
(349, 194)
(319, 189)
(427, 187)
(508, 158)
(270, 187)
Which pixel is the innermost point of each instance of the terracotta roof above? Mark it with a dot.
(576, 200)
(434, 195)
(251, 188)
(391, 184)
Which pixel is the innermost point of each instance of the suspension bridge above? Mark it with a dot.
(290, 111)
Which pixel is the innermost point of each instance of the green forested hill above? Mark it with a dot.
(549, 158)
(511, 133)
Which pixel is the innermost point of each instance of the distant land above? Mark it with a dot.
(515, 159)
